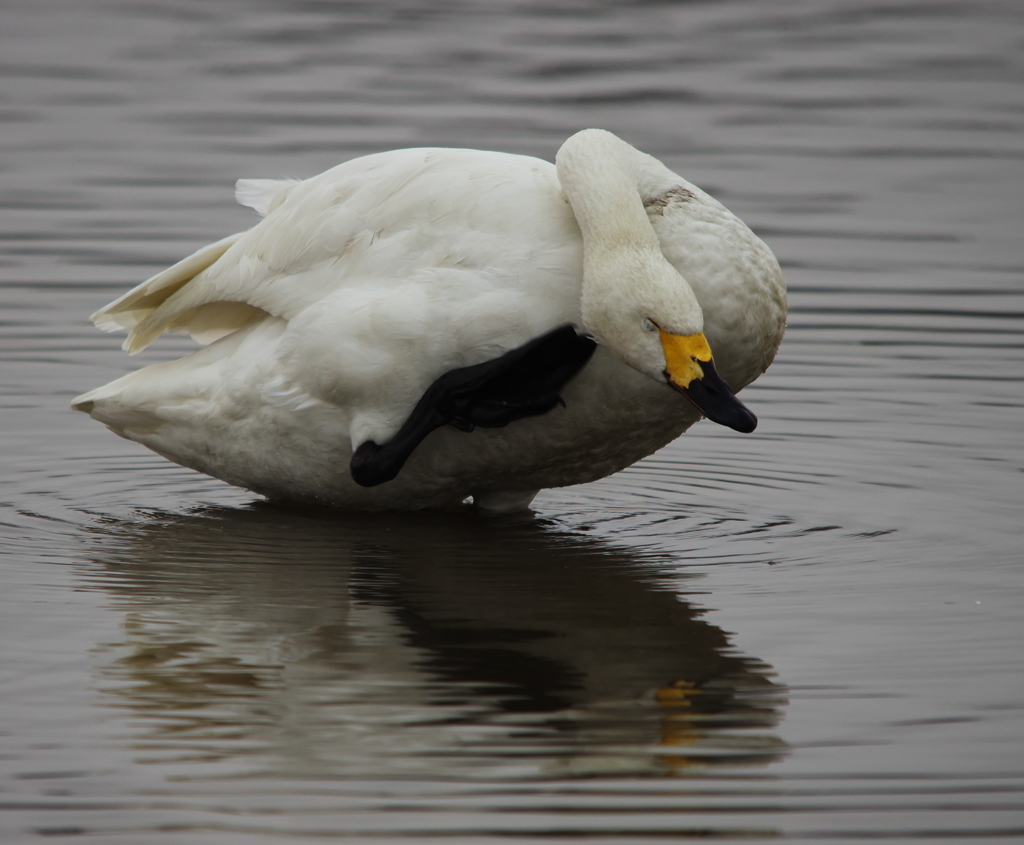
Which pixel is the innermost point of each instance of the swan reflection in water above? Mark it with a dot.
(301, 643)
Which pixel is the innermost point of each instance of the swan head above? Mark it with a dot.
(633, 300)
(639, 306)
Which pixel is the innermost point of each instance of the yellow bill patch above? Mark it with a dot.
(683, 356)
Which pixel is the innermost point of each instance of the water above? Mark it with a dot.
(808, 633)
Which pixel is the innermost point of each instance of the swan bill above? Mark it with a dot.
(684, 357)
(690, 369)
(713, 398)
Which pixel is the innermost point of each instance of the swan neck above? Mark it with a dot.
(604, 180)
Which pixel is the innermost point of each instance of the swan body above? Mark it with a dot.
(328, 321)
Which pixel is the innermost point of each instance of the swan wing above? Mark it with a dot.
(128, 310)
(377, 223)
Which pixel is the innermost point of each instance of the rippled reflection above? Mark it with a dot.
(312, 643)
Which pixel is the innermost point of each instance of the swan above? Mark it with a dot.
(413, 328)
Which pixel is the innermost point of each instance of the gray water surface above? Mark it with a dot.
(812, 632)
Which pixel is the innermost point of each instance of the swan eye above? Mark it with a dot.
(648, 325)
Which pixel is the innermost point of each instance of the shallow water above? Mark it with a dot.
(810, 633)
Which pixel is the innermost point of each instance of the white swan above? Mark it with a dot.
(405, 290)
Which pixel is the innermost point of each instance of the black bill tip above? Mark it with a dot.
(713, 398)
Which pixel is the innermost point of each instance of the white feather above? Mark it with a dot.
(261, 195)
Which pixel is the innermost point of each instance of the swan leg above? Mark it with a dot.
(498, 501)
(524, 382)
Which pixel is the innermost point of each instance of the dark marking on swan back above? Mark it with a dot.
(675, 195)
(524, 382)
